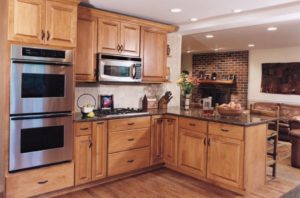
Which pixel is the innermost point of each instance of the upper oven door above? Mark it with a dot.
(117, 70)
(40, 87)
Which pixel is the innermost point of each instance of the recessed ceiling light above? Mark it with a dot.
(209, 36)
(193, 19)
(237, 10)
(189, 51)
(176, 10)
(217, 49)
(251, 45)
(272, 28)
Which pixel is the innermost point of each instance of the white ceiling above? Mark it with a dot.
(158, 10)
(287, 35)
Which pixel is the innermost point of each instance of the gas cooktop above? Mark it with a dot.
(119, 112)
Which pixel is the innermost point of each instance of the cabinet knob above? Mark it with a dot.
(130, 139)
(225, 130)
(121, 48)
(43, 35)
(48, 35)
(204, 141)
(43, 182)
(84, 129)
(130, 161)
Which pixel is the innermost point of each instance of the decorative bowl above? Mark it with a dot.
(229, 111)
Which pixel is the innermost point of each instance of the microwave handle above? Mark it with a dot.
(133, 71)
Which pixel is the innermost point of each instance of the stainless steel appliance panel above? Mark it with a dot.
(40, 140)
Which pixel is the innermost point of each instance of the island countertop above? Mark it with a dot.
(245, 119)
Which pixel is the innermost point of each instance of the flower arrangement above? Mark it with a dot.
(187, 83)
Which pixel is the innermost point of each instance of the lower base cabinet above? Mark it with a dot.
(38, 181)
(192, 152)
(90, 151)
(225, 161)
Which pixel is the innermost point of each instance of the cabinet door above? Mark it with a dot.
(61, 24)
(170, 141)
(26, 21)
(130, 39)
(157, 140)
(83, 159)
(192, 152)
(225, 161)
(99, 150)
(86, 50)
(154, 46)
(109, 36)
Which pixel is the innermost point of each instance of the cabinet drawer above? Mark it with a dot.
(226, 130)
(126, 161)
(125, 140)
(193, 124)
(128, 123)
(39, 181)
(83, 128)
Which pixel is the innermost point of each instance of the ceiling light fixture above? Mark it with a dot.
(272, 28)
(209, 36)
(251, 45)
(189, 51)
(193, 19)
(176, 10)
(237, 10)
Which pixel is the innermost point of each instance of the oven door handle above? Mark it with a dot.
(32, 117)
(42, 62)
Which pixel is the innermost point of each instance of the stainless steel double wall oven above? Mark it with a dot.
(41, 95)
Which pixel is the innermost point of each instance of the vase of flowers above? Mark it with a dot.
(187, 83)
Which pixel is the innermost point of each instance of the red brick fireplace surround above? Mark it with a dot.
(224, 63)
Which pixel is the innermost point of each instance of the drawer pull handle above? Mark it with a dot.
(43, 182)
(84, 129)
(130, 161)
(130, 139)
(225, 130)
(131, 123)
(100, 122)
(192, 124)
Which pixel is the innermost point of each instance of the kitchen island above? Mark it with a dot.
(229, 152)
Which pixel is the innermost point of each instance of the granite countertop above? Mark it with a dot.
(245, 119)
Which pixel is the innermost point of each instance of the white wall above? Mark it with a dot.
(187, 63)
(259, 56)
(131, 95)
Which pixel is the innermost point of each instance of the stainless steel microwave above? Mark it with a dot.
(119, 69)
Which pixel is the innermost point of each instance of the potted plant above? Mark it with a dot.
(187, 83)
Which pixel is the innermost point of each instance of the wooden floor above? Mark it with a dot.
(165, 183)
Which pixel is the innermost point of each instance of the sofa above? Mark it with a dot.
(287, 113)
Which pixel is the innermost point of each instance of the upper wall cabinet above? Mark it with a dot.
(43, 22)
(120, 38)
(154, 46)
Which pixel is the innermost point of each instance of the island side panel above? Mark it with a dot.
(255, 156)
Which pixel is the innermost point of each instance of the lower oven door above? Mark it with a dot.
(40, 140)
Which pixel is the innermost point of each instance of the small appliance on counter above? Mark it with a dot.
(87, 109)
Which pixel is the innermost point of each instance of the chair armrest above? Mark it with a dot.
(295, 124)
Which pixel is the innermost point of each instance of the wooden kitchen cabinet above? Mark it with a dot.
(157, 140)
(90, 152)
(61, 24)
(83, 159)
(118, 38)
(86, 60)
(170, 140)
(192, 152)
(27, 21)
(43, 22)
(225, 160)
(154, 54)
(99, 150)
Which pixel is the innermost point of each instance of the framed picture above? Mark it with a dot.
(106, 102)
(207, 76)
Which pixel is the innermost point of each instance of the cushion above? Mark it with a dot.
(289, 111)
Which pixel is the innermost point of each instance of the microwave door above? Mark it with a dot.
(116, 71)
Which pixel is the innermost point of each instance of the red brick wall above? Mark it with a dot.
(225, 63)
